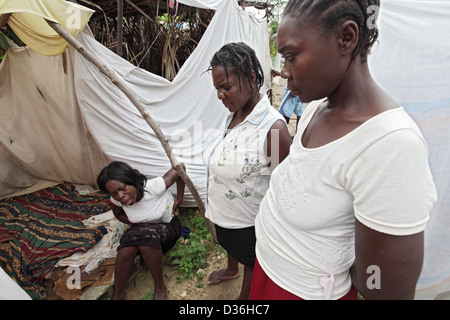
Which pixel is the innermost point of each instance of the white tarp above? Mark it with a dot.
(412, 63)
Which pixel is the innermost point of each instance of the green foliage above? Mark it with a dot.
(148, 296)
(190, 258)
(277, 11)
(274, 21)
(190, 254)
(12, 36)
(4, 45)
(273, 26)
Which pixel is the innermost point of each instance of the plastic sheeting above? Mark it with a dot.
(412, 63)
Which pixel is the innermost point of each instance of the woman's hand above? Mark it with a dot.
(176, 204)
(170, 178)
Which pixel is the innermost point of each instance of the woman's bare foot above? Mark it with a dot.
(161, 294)
(118, 295)
(222, 275)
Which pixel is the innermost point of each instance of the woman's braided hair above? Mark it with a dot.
(334, 12)
(239, 58)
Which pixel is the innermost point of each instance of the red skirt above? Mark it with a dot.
(263, 288)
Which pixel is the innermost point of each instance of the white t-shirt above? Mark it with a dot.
(237, 168)
(378, 173)
(155, 206)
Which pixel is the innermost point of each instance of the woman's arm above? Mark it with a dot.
(386, 266)
(172, 176)
(278, 139)
(180, 193)
(120, 214)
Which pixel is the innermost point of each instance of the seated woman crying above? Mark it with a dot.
(149, 208)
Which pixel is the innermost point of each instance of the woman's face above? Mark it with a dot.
(124, 193)
(233, 95)
(314, 67)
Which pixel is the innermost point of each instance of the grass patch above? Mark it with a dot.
(189, 255)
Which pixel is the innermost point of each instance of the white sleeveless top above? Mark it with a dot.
(237, 168)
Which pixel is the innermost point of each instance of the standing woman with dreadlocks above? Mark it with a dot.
(254, 138)
(346, 210)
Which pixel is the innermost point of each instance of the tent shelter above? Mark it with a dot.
(66, 120)
(63, 120)
(186, 108)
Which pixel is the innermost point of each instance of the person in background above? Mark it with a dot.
(253, 139)
(289, 103)
(346, 210)
(149, 208)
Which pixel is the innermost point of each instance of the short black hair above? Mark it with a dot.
(239, 58)
(123, 172)
(333, 12)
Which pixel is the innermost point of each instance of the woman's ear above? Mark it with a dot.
(348, 35)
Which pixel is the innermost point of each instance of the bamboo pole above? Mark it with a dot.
(120, 83)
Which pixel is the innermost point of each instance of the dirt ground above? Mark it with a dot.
(141, 285)
(277, 92)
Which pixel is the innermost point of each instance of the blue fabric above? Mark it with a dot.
(291, 104)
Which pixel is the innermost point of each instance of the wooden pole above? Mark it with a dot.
(119, 27)
(121, 84)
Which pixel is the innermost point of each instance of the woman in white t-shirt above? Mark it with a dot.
(149, 208)
(346, 210)
(253, 139)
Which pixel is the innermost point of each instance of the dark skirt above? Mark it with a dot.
(158, 235)
(239, 243)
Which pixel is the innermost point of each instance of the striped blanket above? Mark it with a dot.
(38, 229)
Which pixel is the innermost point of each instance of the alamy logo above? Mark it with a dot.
(73, 18)
(74, 280)
(374, 280)
(373, 11)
